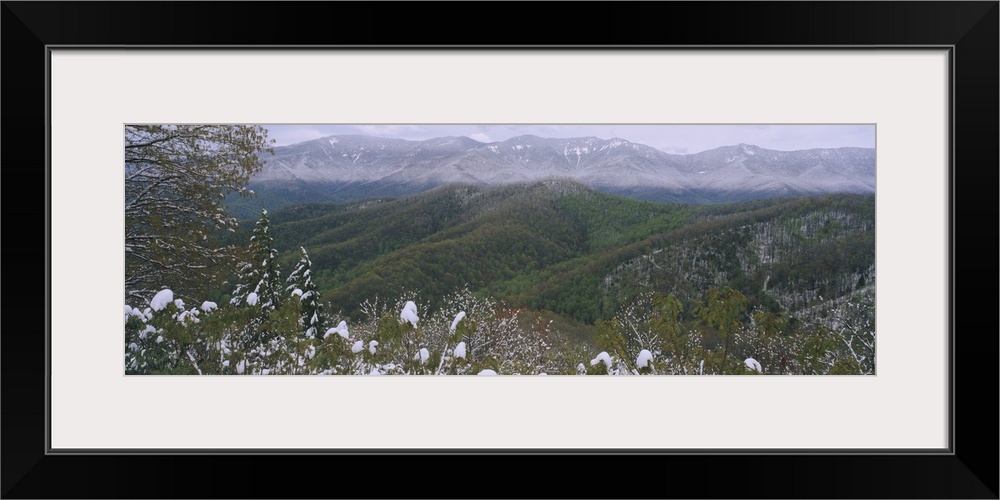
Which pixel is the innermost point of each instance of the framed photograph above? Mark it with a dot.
(870, 126)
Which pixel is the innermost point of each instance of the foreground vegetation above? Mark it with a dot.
(273, 325)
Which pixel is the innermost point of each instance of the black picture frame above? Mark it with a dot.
(970, 29)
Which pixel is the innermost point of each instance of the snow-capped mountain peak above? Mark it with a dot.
(356, 166)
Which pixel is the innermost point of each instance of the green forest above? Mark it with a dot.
(540, 278)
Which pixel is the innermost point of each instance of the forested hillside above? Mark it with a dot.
(539, 277)
(562, 247)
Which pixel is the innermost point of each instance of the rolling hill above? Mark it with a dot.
(564, 247)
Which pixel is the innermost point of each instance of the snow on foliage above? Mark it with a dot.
(146, 331)
(174, 341)
(297, 292)
(284, 340)
(161, 299)
(134, 311)
(603, 357)
(487, 372)
(375, 372)
(191, 315)
(409, 313)
(341, 330)
(458, 318)
(643, 359)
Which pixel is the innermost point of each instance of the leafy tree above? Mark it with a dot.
(666, 324)
(649, 337)
(723, 310)
(176, 177)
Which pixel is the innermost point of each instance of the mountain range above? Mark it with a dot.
(352, 167)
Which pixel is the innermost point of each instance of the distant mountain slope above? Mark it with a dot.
(346, 168)
(560, 246)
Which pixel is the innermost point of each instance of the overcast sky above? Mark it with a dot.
(669, 138)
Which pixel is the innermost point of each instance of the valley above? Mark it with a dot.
(583, 255)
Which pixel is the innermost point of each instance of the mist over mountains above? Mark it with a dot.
(351, 167)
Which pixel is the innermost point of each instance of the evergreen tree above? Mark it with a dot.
(312, 309)
(260, 279)
(259, 287)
